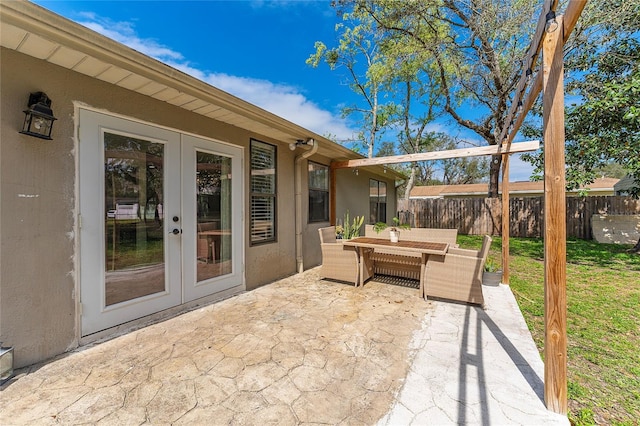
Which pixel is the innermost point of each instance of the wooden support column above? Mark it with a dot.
(505, 219)
(555, 226)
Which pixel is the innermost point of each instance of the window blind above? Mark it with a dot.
(263, 192)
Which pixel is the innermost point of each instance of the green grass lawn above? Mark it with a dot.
(603, 322)
(137, 244)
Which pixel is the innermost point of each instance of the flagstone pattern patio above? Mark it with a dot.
(298, 351)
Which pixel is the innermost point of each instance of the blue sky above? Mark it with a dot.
(253, 49)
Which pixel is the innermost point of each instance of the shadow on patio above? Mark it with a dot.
(300, 350)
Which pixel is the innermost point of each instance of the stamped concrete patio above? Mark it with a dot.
(300, 351)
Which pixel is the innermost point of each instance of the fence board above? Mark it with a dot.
(479, 216)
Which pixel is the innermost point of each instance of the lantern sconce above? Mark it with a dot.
(6, 363)
(552, 23)
(38, 120)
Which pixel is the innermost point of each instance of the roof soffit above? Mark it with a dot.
(38, 32)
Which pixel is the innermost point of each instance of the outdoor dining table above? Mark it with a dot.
(424, 248)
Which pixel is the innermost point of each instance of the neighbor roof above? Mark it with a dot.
(602, 184)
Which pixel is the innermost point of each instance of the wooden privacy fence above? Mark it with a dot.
(479, 216)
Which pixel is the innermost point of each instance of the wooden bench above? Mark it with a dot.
(388, 262)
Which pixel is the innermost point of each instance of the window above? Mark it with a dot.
(318, 192)
(263, 192)
(377, 201)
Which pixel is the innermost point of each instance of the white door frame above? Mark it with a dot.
(180, 285)
(192, 289)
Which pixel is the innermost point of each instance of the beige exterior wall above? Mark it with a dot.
(38, 274)
(38, 204)
(353, 194)
(37, 200)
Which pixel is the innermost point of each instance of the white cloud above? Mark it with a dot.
(283, 100)
(123, 32)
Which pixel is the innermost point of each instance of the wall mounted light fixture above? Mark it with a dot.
(38, 120)
(6, 363)
(551, 24)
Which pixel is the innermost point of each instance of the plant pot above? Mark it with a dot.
(394, 236)
(491, 278)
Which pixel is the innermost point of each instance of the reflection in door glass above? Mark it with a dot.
(134, 234)
(213, 239)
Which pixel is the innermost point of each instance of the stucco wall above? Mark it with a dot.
(38, 205)
(38, 201)
(616, 229)
(37, 307)
(353, 194)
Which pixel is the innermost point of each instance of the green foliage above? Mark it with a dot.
(381, 226)
(603, 296)
(470, 53)
(491, 265)
(603, 74)
(367, 69)
(351, 228)
(412, 61)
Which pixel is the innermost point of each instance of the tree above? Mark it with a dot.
(458, 171)
(603, 126)
(413, 136)
(359, 41)
(476, 46)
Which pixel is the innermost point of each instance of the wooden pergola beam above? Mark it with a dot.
(515, 119)
(438, 155)
(571, 16)
(509, 132)
(555, 351)
(555, 225)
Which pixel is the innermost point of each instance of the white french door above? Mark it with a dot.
(212, 219)
(160, 219)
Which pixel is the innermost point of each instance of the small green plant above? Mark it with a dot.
(381, 226)
(351, 228)
(491, 266)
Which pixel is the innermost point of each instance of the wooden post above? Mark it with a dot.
(505, 219)
(555, 227)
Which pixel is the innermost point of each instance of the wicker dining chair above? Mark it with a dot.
(458, 274)
(340, 262)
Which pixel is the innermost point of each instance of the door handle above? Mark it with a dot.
(176, 231)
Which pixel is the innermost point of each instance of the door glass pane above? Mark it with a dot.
(213, 195)
(134, 232)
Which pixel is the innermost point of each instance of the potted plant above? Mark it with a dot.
(349, 230)
(394, 232)
(492, 275)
